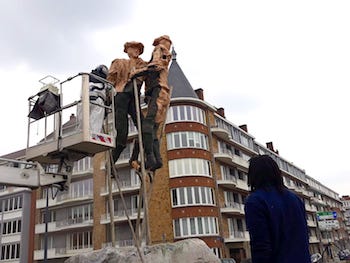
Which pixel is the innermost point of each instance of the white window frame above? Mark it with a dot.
(206, 196)
(184, 139)
(190, 114)
(189, 167)
(208, 226)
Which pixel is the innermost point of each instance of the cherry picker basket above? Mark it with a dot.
(67, 123)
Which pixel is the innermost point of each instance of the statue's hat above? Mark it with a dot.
(158, 39)
(135, 44)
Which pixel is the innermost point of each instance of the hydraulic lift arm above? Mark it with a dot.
(26, 174)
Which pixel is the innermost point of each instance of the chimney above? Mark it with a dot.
(244, 127)
(269, 146)
(200, 94)
(221, 112)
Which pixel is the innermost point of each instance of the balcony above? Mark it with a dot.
(301, 190)
(64, 199)
(243, 185)
(238, 236)
(311, 223)
(313, 239)
(221, 133)
(310, 208)
(120, 216)
(227, 157)
(124, 158)
(318, 201)
(53, 253)
(228, 181)
(126, 186)
(233, 208)
(120, 243)
(67, 224)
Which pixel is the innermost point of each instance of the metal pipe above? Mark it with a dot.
(46, 224)
(142, 156)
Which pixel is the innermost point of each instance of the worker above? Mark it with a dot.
(98, 99)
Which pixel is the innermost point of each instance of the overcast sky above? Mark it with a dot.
(281, 67)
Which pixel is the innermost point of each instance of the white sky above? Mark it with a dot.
(281, 67)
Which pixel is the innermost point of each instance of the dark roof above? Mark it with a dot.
(177, 80)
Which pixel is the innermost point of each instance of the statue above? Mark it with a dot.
(124, 101)
(157, 96)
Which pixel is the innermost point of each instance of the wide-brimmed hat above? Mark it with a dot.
(158, 39)
(135, 44)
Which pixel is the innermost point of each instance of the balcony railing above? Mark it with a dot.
(73, 222)
(60, 252)
(233, 207)
(228, 180)
(237, 236)
(120, 215)
(62, 198)
(63, 224)
(124, 185)
(242, 184)
(319, 201)
(228, 157)
(313, 239)
(120, 243)
(311, 223)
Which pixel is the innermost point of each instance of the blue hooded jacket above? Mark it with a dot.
(276, 222)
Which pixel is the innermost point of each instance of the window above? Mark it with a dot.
(80, 240)
(83, 188)
(236, 227)
(187, 139)
(13, 203)
(233, 200)
(186, 113)
(10, 251)
(11, 227)
(195, 195)
(189, 167)
(52, 216)
(80, 214)
(195, 226)
(83, 165)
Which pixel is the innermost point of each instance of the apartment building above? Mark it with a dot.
(199, 192)
(16, 221)
(346, 209)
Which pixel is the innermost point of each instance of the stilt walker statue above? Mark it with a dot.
(124, 102)
(157, 95)
(128, 75)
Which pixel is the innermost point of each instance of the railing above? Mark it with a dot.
(70, 196)
(73, 221)
(60, 252)
(120, 243)
(123, 185)
(238, 236)
(230, 177)
(120, 214)
(234, 205)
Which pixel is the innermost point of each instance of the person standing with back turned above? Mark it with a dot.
(275, 217)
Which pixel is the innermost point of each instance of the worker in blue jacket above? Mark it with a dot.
(275, 216)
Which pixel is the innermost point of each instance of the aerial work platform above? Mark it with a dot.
(67, 123)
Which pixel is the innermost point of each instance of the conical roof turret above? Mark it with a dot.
(179, 82)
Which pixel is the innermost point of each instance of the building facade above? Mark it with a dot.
(199, 192)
